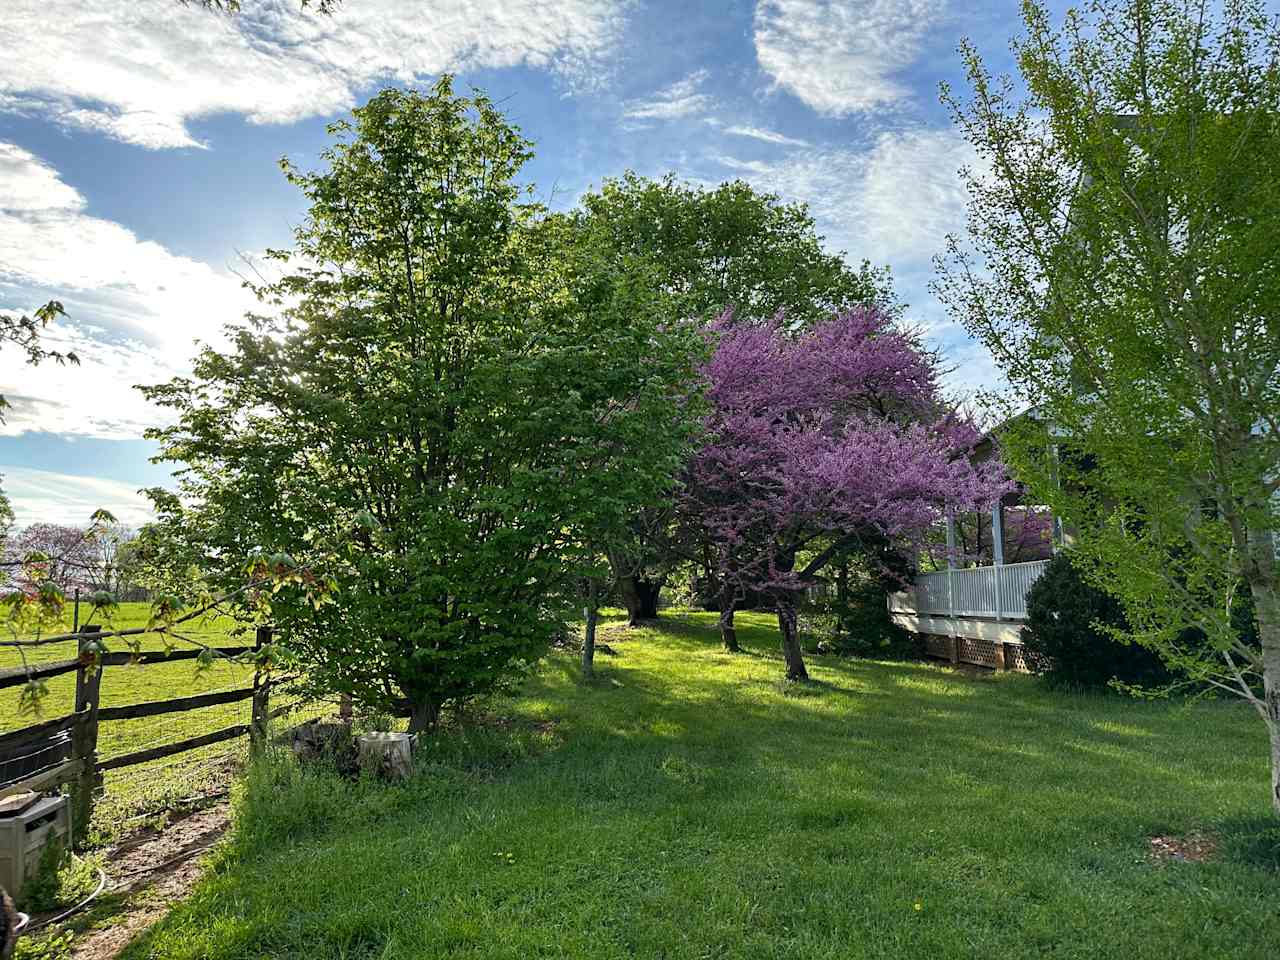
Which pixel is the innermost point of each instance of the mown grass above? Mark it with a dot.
(151, 785)
(687, 804)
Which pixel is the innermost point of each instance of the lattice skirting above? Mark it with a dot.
(984, 653)
(937, 646)
(981, 652)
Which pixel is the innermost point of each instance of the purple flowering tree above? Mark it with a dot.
(819, 443)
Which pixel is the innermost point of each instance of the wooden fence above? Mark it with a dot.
(64, 750)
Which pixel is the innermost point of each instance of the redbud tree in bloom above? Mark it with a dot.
(820, 442)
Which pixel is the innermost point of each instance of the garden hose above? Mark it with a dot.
(29, 927)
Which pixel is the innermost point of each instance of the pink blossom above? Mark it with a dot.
(835, 434)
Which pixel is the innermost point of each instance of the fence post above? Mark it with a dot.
(261, 696)
(84, 736)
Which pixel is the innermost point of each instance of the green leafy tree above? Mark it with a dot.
(453, 403)
(729, 247)
(1122, 267)
(700, 251)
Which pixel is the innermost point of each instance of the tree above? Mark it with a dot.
(447, 410)
(701, 251)
(68, 552)
(1121, 265)
(91, 558)
(820, 443)
(731, 247)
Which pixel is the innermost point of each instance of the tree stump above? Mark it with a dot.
(9, 923)
(386, 754)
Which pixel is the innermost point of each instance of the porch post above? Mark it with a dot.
(997, 552)
(1056, 538)
(951, 563)
(1055, 543)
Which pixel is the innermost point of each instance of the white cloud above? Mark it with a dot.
(768, 136)
(894, 203)
(139, 70)
(842, 56)
(678, 100)
(42, 496)
(134, 308)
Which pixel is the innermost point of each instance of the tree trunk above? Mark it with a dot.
(791, 640)
(640, 597)
(728, 635)
(1266, 605)
(1273, 697)
(589, 632)
(424, 712)
(649, 591)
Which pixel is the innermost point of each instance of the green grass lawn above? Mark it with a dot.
(690, 805)
(149, 785)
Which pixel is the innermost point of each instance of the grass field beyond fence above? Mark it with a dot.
(688, 805)
(147, 786)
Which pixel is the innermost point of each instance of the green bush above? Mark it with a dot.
(853, 620)
(1062, 635)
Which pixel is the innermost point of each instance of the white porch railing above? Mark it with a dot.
(998, 592)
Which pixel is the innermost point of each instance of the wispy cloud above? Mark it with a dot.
(680, 99)
(892, 203)
(842, 56)
(135, 308)
(767, 136)
(139, 70)
(42, 496)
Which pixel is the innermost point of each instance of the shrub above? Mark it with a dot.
(853, 620)
(1063, 614)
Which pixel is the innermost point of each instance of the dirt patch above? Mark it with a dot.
(1194, 848)
(147, 873)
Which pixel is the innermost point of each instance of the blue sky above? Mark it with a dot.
(139, 142)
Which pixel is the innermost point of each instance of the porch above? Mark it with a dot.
(971, 615)
(976, 613)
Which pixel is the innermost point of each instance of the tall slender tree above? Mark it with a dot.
(1121, 264)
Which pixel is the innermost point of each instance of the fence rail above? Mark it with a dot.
(997, 592)
(64, 750)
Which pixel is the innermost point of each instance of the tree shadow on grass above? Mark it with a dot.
(686, 778)
(1251, 840)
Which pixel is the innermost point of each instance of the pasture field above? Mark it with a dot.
(147, 786)
(687, 804)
